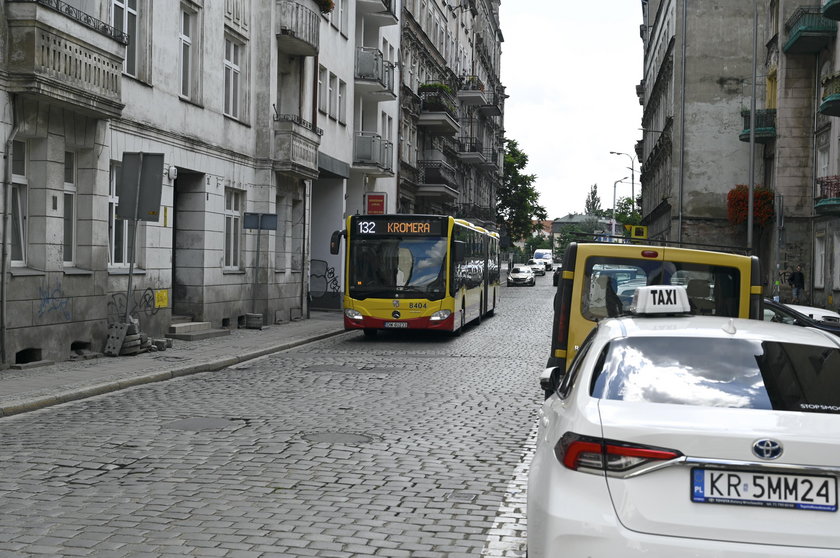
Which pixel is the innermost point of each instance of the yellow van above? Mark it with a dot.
(598, 281)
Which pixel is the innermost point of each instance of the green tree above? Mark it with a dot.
(573, 232)
(626, 214)
(592, 205)
(517, 201)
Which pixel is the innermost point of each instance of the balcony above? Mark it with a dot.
(765, 126)
(60, 54)
(808, 31)
(374, 75)
(828, 200)
(298, 29)
(830, 105)
(491, 160)
(377, 13)
(471, 150)
(437, 180)
(831, 9)
(493, 107)
(373, 154)
(296, 144)
(471, 91)
(438, 112)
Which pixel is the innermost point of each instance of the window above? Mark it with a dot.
(233, 226)
(120, 231)
(189, 52)
(333, 96)
(69, 247)
(124, 16)
(232, 78)
(342, 102)
(819, 262)
(297, 235)
(20, 198)
(836, 263)
(322, 89)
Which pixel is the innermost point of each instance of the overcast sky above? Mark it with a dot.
(571, 70)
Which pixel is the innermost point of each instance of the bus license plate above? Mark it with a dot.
(396, 324)
(754, 488)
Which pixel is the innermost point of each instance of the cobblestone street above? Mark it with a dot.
(402, 445)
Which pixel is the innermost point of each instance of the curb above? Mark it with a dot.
(117, 385)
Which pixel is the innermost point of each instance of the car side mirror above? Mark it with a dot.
(550, 380)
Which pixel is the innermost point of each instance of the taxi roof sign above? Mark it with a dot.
(661, 299)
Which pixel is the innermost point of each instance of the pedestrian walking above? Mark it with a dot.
(797, 283)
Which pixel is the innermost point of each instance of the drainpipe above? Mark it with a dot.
(4, 253)
(682, 122)
(815, 170)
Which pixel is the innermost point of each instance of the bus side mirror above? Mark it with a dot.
(335, 241)
(550, 380)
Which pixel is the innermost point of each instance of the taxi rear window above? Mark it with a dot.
(712, 372)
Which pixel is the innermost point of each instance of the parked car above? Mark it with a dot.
(521, 274)
(819, 314)
(674, 434)
(786, 314)
(537, 267)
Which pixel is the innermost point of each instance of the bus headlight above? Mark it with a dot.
(353, 314)
(440, 315)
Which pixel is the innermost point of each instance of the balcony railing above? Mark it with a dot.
(493, 107)
(369, 149)
(437, 173)
(296, 144)
(298, 28)
(828, 200)
(831, 9)
(808, 31)
(830, 105)
(58, 53)
(765, 126)
(374, 74)
(80, 16)
(438, 111)
(471, 91)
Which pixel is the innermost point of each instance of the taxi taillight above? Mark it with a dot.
(597, 455)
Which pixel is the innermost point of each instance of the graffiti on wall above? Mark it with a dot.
(143, 303)
(322, 279)
(52, 299)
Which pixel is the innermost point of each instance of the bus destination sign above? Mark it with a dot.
(371, 226)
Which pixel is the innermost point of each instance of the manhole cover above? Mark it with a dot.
(204, 424)
(337, 438)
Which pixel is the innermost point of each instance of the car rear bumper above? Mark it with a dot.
(571, 514)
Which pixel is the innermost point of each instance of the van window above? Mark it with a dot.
(609, 285)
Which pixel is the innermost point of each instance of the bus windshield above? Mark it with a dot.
(392, 267)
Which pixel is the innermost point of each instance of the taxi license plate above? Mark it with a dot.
(396, 324)
(754, 488)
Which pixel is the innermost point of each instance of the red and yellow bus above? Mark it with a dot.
(417, 272)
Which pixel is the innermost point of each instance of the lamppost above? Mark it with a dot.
(632, 175)
(615, 184)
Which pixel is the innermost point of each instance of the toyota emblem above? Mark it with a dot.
(767, 449)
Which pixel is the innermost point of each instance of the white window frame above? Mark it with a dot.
(20, 205)
(121, 16)
(118, 226)
(342, 102)
(333, 96)
(233, 78)
(185, 52)
(233, 229)
(819, 261)
(836, 263)
(323, 78)
(69, 206)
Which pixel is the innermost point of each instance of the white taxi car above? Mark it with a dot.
(691, 436)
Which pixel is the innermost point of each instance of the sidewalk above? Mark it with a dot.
(35, 388)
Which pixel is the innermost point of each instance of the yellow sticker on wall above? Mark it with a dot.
(162, 298)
